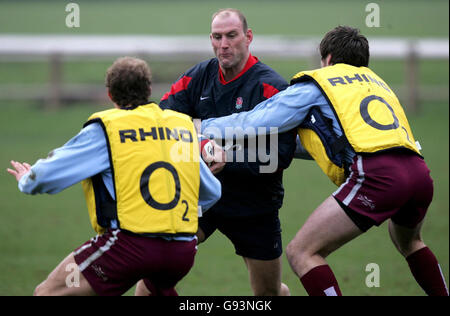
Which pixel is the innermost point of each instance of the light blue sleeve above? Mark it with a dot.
(83, 156)
(284, 111)
(210, 188)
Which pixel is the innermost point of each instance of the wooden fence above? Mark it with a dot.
(57, 49)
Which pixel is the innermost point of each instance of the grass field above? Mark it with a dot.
(38, 231)
(291, 17)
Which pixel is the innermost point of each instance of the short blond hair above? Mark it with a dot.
(129, 81)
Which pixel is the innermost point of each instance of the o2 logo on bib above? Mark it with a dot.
(364, 110)
(149, 199)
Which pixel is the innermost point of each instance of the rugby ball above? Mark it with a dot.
(207, 150)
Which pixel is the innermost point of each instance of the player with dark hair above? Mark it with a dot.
(144, 183)
(352, 124)
(247, 213)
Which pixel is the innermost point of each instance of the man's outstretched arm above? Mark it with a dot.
(81, 157)
(282, 112)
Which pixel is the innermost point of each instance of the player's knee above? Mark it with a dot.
(285, 290)
(51, 288)
(406, 241)
(295, 252)
(409, 248)
(291, 251)
(141, 289)
(40, 290)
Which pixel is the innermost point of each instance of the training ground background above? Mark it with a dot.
(36, 232)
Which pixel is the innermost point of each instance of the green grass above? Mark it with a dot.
(39, 231)
(193, 17)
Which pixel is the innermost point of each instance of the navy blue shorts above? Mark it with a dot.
(255, 237)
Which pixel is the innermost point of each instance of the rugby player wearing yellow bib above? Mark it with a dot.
(144, 185)
(353, 125)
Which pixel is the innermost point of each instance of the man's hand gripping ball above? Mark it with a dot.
(212, 154)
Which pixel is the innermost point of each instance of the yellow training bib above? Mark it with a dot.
(154, 157)
(367, 110)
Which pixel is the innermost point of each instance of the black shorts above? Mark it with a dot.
(255, 237)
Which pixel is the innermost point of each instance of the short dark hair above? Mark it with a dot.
(346, 45)
(129, 82)
(237, 12)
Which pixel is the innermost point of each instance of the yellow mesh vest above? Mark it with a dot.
(154, 158)
(367, 110)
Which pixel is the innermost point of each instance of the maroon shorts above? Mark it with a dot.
(393, 184)
(113, 262)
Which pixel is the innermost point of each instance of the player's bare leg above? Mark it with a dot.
(265, 277)
(421, 260)
(327, 229)
(406, 240)
(65, 280)
(141, 289)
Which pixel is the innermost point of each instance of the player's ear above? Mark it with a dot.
(249, 36)
(328, 60)
(110, 97)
